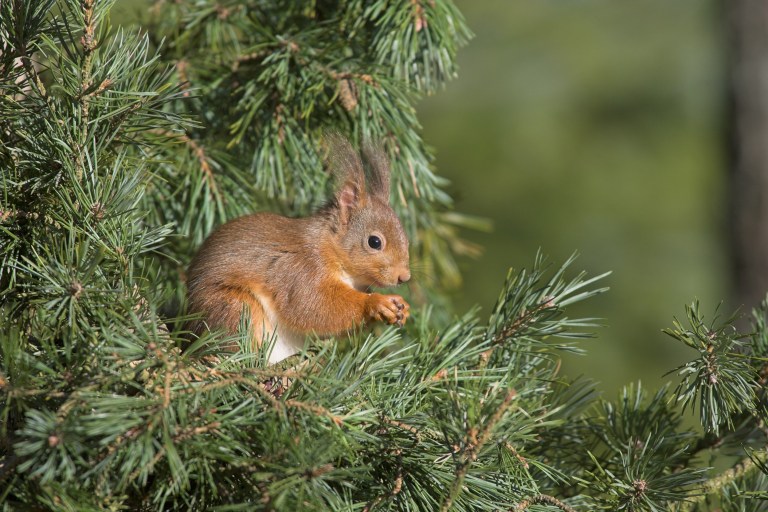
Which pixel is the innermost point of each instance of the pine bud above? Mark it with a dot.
(98, 210)
(75, 289)
(640, 487)
(348, 94)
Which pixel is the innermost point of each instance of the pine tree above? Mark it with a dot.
(122, 148)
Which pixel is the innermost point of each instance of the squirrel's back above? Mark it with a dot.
(246, 257)
(247, 248)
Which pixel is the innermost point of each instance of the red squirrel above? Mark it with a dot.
(299, 276)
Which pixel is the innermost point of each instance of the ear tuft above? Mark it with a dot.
(377, 170)
(343, 161)
(347, 171)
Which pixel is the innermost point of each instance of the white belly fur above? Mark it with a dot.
(285, 343)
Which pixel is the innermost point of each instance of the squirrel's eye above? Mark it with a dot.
(374, 242)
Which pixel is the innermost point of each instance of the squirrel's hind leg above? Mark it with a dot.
(225, 306)
(223, 309)
(267, 328)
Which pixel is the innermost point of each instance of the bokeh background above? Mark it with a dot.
(594, 126)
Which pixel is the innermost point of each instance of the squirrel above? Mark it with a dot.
(299, 276)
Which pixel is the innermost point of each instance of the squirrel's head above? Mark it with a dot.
(372, 242)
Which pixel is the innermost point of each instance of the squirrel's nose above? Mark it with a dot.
(403, 277)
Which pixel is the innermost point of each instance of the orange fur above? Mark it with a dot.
(305, 275)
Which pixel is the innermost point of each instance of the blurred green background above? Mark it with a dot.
(594, 126)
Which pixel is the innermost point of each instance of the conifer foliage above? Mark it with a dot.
(120, 150)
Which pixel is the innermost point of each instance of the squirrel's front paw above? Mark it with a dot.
(391, 309)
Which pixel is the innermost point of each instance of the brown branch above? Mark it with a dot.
(202, 159)
(515, 453)
(419, 18)
(22, 393)
(31, 71)
(399, 424)
(190, 432)
(157, 458)
(88, 93)
(473, 443)
(89, 45)
(170, 370)
(315, 409)
(485, 434)
(181, 69)
(320, 471)
(154, 9)
(199, 152)
(714, 486)
(116, 120)
(524, 318)
(258, 373)
(185, 434)
(344, 75)
(229, 381)
(414, 182)
(542, 499)
(397, 486)
(248, 57)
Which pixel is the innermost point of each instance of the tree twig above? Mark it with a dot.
(542, 499)
(475, 440)
(716, 484)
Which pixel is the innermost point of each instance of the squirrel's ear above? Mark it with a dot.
(377, 170)
(348, 198)
(347, 169)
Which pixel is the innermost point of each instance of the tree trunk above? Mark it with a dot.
(748, 87)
